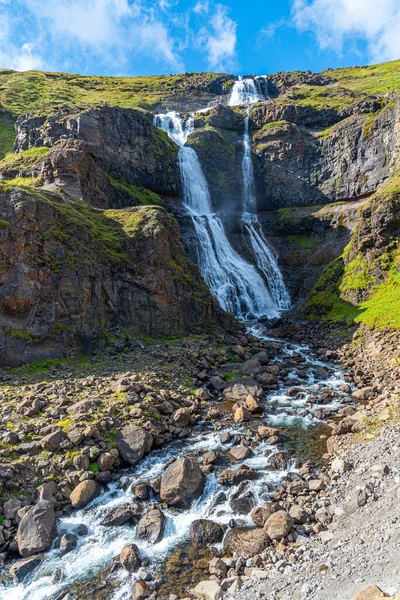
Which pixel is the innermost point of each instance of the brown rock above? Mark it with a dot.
(130, 558)
(246, 541)
(181, 482)
(151, 526)
(84, 493)
(133, 443)
(278, 525)
(242, 415)
(240, 453)
(373, 592)
(37, 529)
(261, 514)
(140, 590)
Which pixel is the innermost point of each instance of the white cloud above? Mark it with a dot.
(337, 22)
(19, 57)
(220, 44)
(202, 7)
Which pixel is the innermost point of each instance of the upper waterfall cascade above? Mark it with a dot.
(237, 285)
(246, 91)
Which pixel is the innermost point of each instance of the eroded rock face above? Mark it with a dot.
(182, 482)
(37, 529)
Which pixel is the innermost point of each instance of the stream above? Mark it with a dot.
(95, 551)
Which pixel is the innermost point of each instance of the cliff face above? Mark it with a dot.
(68, 271)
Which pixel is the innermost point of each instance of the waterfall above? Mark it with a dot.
(244, 92)
(235, 283)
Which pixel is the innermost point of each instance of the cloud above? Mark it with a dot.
(22, 56)
(202, 7)
(335, 23)
(269, 31)
(220, 44)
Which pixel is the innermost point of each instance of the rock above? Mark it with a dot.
(210, 458)
(129, 558)
(379, 469)
(242, 415)
(323, 516)
(11, 507)
(241, 388)
(140, 590)
(340, 466)
(19, 570)
(68, 542)
(217, 383)
(233, 477)
(254, 405)
(53, 441)
(84, 493)
(128, 513)
(37, 529)
(251, 367)
(261, 514)
(133, 443)
(217, 567)
(47, 491)
(246, 541)
(373, 592)
(181, 482)
(267, 432)
(204, 532)
(106, 461)
(242, 505)
(240, 453)
(278, 525)
(151, 526)
(364, 393)
(208, 590)
(141, 491)
(315, 485)
(298, 514)
(181, 418)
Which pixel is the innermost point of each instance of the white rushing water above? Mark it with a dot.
(237, 285)
(245, 91)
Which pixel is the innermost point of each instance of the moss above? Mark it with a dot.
(26, 159)
(94, 467)
(382, 310)
(304, 241)
(320, 97)
(272, 125)
(7, 135)
(28, 183)
(4, 224)
(61, 327)
(20, 334)
(66, 424)
(139, 195)
(368, 127)
(372, 79)
(356, 276)
(231, 375)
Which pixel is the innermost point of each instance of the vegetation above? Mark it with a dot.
(320, 97)
(139, 195)
(26, 159)
(373, 79)
(7, 135)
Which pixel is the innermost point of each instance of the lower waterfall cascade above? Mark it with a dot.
(237, 285)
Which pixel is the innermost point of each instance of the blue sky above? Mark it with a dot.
(145, 37)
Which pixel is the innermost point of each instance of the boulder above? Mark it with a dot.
(239, 389)
(242, 505)
(128, 513)
(251, 367)
(53, 441)
(242, 415)
(19, 570)
(37, 529)
(84, 493)
(204, 532)
(298, 514)
(129, 558)
(261, 514)
(246, 541)
(133, 443)
(68, 542)
(140, 590)
(254, 405)
(266, 432)
(278, 525)
(373, 592)
(151, 526)
(240, 453)
(340, 466)
(181, 418)
(208, 590)
(182, 481)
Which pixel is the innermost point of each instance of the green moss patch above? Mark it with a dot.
(7, 136)
(26, 159)
(373, 79)
(139, 195)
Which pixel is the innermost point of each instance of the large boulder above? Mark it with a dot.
(151, 526)
(239, 389)
(278, 525)
(84, 493)
(246, 541)
(127, 513)
(130, 558)
(20, 569)
(208, 590)
(37, 529)
(204, 532)
(181, 482)
(133, 443)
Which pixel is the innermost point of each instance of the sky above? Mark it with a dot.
(148, 37)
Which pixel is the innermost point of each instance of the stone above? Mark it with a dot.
(323, 516)
(242, 415)
(133, 443)
(217, 567)
(246, 541)
(130, 558)
(379, 469)
(20, 569)
(53, 441)
(11, 507)
(261, 514)
(210, 458)
(373, 592)
(84, 493)
(128, 513)
(204, 532)
(315, 485)
(340, 466)
(140, 590)
(151, 526)
(68, 542)
(106, 461)
(141, 491)
(240, 453)
(278, 525)
(364, 393)
(37, 529)
(253, 404)
(181, 417)
(182, 482)
(208, 590)
(239, 389)
(266, 432)
(251, 367)
(298, 514)
(242, 505)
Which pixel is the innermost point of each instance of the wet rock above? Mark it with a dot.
(254, 405)
(232, 477)
(130, 558)
(133, 443)
(37, 529)
(208, 590)
(68, 542)
(210, 458)
(129, 513)
(22, 568)
(242, 505)
(204, 532)
(181, 482)
(251, 367)
(246, 541)
(151, 526)
(266, 432)
(141, 491)
(140, 590)
(225, 437)
(84, 493)
(240, 453)
(278, 525)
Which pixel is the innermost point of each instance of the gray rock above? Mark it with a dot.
(37, 529)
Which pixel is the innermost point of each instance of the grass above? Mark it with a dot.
(320, 97)
(139, 195)
(24, 183)
(272, 125)
(382, 310)
(305, 243)
(373, 79)
(7, 136)
(26, 159)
